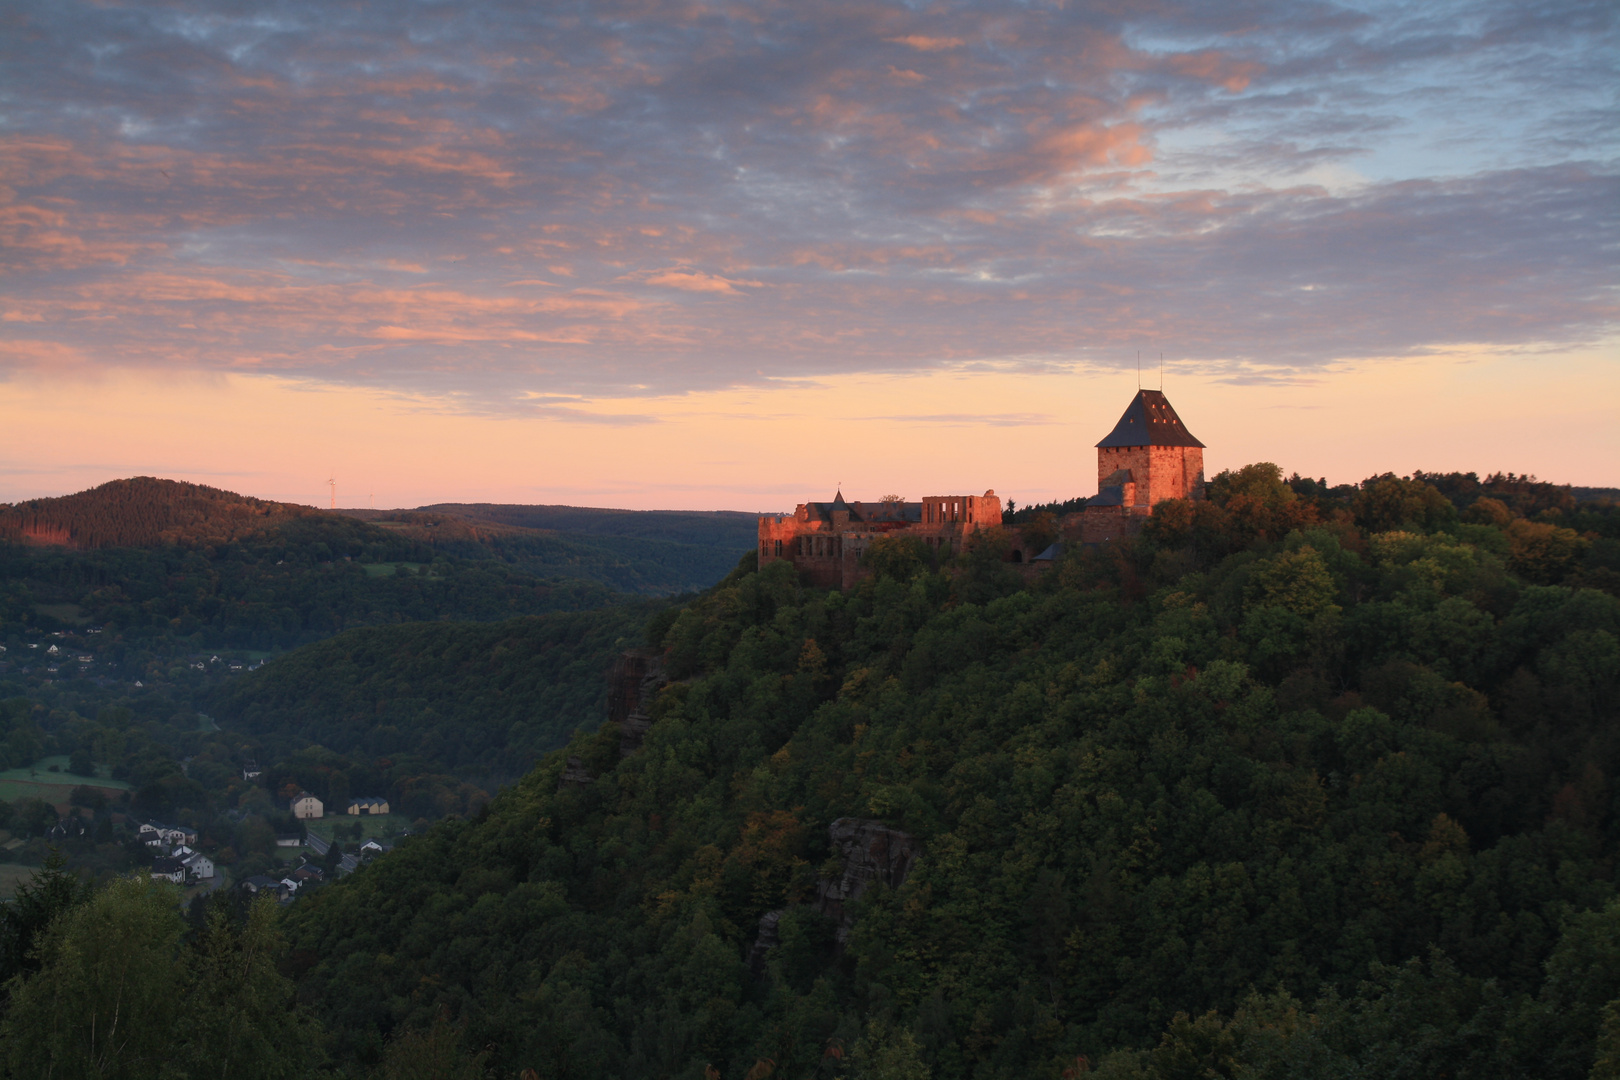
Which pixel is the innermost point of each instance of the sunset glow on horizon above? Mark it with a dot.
(731, 255)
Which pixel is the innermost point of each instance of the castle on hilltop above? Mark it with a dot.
(1149, 457)
(826, 540)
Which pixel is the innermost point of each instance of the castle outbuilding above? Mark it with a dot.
(1149, 457)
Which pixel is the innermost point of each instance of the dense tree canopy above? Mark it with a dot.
(1288, 779)
(486, 698)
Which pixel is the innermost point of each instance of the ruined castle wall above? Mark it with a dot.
(828, 553)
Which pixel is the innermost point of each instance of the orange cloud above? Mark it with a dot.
(925, 43)
(1216, 67)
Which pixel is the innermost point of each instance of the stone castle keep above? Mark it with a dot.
(1149, 457)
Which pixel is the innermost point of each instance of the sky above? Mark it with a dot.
(735, 255)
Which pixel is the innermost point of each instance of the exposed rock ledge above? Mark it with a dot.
(872, 852)
(638, 675)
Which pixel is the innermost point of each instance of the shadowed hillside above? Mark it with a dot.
(473, 699)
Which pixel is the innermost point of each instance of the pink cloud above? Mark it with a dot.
(698, 281)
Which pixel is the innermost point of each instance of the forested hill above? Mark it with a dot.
(1290, 785)
(478, 700)
(144, 511)
(655, 552)
(727, 529)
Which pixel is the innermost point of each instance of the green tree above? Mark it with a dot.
(242, 1019)
(1261, 482)
(434, 1054)
(889, 1052)
(1298, 581)
(899, 557)
(107, 999)
(49, 894)
(1391, 502)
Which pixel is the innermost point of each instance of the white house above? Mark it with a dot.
(258, 883)
(168, 869)
(154, 833)
(306, 806)
(198, 866)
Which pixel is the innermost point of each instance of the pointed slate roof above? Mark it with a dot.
(1150, 421)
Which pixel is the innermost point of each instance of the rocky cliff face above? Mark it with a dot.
(637, 677)
(872, 852)
(575, 775)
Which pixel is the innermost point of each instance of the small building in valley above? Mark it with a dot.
(305, 806)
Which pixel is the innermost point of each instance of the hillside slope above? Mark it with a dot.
(647, 558)
(1359, 759)
(476, 699)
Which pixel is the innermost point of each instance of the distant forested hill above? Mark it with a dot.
(472, 699)
(709, 528)
(646, 551)
(1293, 784)
(144, 511)
(640, 560)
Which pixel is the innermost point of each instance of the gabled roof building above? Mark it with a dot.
(1149, 457)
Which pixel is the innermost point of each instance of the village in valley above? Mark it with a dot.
(95, 825)
(305, 857)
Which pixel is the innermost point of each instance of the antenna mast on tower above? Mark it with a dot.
(332, 482)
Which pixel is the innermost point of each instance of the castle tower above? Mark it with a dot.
(1150, 456)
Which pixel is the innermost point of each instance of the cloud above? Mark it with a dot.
(492, 202)
(697, 281)
(924, 43)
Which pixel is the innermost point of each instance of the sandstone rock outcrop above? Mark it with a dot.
(767, 940)
(872, 852)
(575, 775)
(638, 675)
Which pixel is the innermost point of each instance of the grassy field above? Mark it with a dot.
(68, 613)
(39, 775)
(386, 569)
(374, 825)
